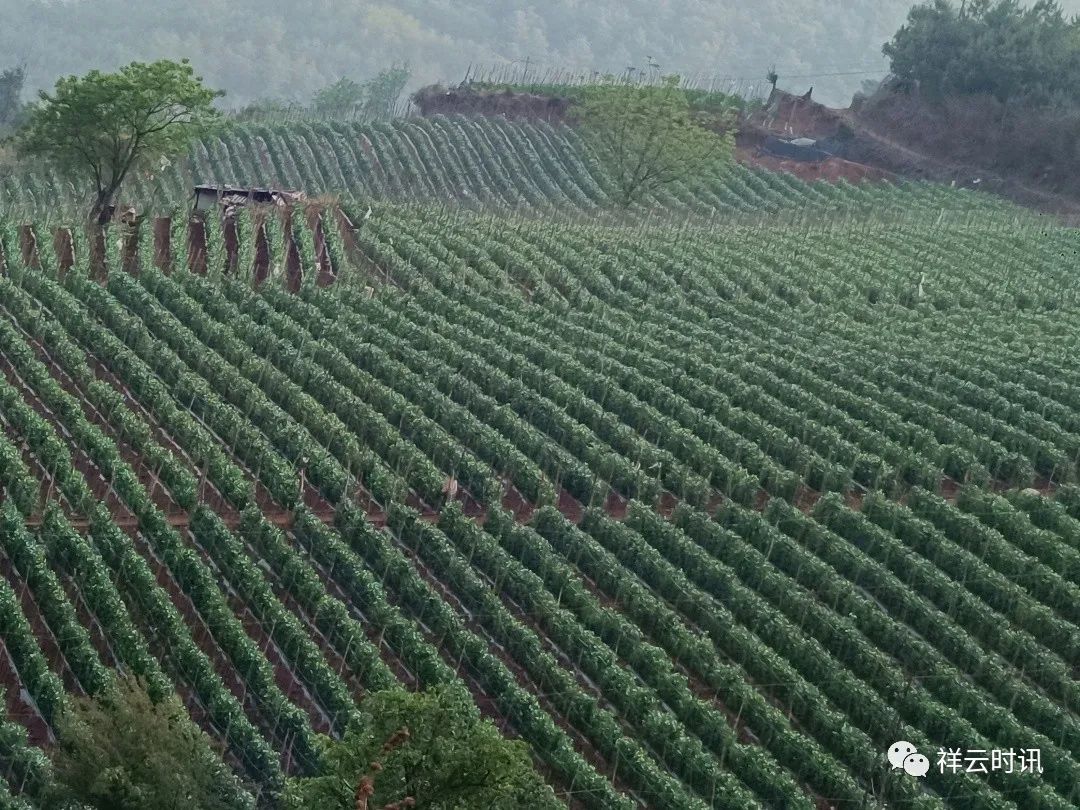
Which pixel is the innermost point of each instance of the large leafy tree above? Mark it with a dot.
(382, 92)
(97, 128)
(647, 135)
(424, 750)
(995, 47)
(121, 750)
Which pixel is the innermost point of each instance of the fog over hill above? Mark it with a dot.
(262, 48)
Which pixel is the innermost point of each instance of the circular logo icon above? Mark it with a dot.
(916, 764)
(899, 751)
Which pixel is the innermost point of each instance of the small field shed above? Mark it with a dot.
(207, 197)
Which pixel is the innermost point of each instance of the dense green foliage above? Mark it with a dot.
(646, 137)
(997, 47)
(431, 747)
(95, 129)
(122, 750)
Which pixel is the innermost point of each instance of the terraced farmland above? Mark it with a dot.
(709, 515)
(473, 162)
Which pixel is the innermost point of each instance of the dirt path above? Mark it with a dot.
(832, 170)
(935, 168)
(615, 506)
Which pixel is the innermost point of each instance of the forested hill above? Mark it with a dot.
(260, 48)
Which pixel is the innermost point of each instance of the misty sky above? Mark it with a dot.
(268, 48)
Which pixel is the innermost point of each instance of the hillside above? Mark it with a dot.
(480, 163)
(708, 515)
(1024, 154)
(1021, 153)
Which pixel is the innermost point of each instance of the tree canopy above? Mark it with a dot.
(375, 98)
(344, 93)
(427, 750)
(98, 127)
(122, 751)
(647, 136)
(993, 47)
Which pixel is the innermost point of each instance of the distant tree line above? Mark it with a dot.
(375, 98)
(256, 49)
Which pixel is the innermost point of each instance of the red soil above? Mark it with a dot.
(832, 170)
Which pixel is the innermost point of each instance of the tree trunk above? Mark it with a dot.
(102, 209)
